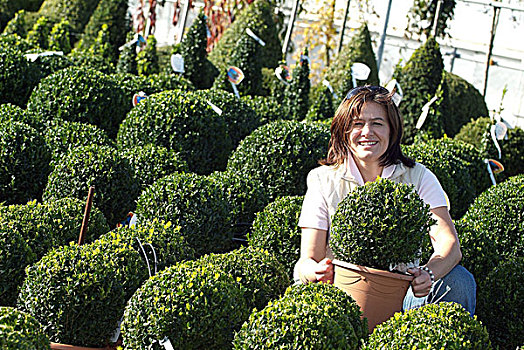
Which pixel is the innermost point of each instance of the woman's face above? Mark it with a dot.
(369, 134)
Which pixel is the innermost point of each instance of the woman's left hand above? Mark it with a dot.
(421, 284)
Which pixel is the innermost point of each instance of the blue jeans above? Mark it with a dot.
(458, 286)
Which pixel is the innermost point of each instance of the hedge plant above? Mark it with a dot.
(181, 121)
(38, 36)
(444, 325)
(491, 230)
(47, 65)
(24, 162)
(392, 224)
(512, 153)
(317, 316)
(11, 112)
(195, 307)
(19, 330)
(78, 293)
(474, 131)
(321, 107)
(116, 187)
(81, 95)
(276, 229)
(147, 58)
(17, 79)
(52, 224)
(77, 12)
(267, 108)
(127, 57)
(60, 37)
(16, 25)
(262, 275)
(500, 299)
(279, 155)
(196, 204)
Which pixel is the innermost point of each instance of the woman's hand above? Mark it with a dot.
(421, 284)
(324, 271)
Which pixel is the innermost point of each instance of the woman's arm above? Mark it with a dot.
(446, 253)
(313, 266)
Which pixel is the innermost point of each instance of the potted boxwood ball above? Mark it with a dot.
(378, 228)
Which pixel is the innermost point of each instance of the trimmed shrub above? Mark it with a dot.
(193, 202)
(424, 11)
(474, 131)
(321, 108)
(47, 65)
(491, 230)
(512, 153)
(297, 92)
(17, 79)
(95, 57)
(49, 225)
(147, 58)
(82, 95)
(268, 109)
(127, 57)
(13, 113)
(280, 155)
(276, 229)
(60, 37)
(19, 330)
(451, 171)
(77, 12)
(500, 299)
(116, 187)
(293, 319)
(262, 275)
(195, 307)
(78, 293)
(240, 117)
(24, 163)
(183, 122)
(38, 36)
(15, 256)
(465, 103)
(17, 25)
(433, 326)
(392, 224)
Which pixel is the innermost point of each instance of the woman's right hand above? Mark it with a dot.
(324, 271)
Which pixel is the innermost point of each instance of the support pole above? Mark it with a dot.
(383, 37)
(496, 13)
(435, 19)
(290, 28)
(89, 204)
(343, 29)
(183, 21)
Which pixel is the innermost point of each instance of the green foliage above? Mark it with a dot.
(321, 108)
(313, 316)
(17, 25)
(17, 79)
(87, 59)
(77, 12)
(60, 37)
(358, 49)
(24, 162)
(391, 225)
(198, 69)
(512, 153)
(276, 229)
(102, 48)
(116, 187)
(47, 65)
(195, 307)
(10, 112)
(452, 172)
(260, 17)
(491, 230)
(267, 107)
(500, 299)
(279, 156)
(419, 78)
(240, 117)
(80, 95)
(262, 275)
(474, 131)
(443, 325)
(39, 35)
(147, 59)
(19, 330)
(465, 103)
(193, 202)
(78, 293)
(424, 11)
(49, 225)
(127, 62)
(183, 122)
(15, 256)
(153, 162)
(272, 86)
(297, 92)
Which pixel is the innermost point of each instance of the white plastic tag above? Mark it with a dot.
(133, 220)
(360, 71)
(490, 172)
(166, 343)
(282, 73)
(254, 36)
(494, 138)
(139, 97)
(500, 130)
(393, 85)
(116, 333)
(177, 63)
(235, 90)
(425, 112)
(330, 88)
(215, 108)
(34, 56)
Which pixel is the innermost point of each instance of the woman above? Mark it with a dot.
(365, 144)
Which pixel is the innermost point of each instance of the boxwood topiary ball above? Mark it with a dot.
(267, 107)
(52, 224)
(491, 230)
(17, 77)
(24, 163)
(78, 293)
(195, 307)
(279, 155)
(81, 95)
(19, 330)
(116, 187)
(380, 225)
(12, 112)
(444, 325)
(193, 202)
(181, 121)
(276, 229)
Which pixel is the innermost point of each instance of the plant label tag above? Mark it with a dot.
(137, 98)
(254, 36)
(500, 130)
(133, 220)
(330, 88)
(494, 138)
(235, 90)
(235, 75)
(116, 333)
(166, 343)
(393, 85)
(425, 112)
(282, 73)
(215, 108)
(304, 58)
(495, 166)
(34, 56)
(177, 63)
(360, 71)
(490, 172)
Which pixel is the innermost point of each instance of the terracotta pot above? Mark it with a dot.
(378, 293)
(58, 346)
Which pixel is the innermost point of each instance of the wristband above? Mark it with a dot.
(431, 275)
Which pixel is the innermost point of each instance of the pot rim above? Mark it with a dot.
(365, 269)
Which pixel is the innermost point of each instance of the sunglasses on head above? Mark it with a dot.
(372, 88)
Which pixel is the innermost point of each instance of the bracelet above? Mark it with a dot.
(428, 270)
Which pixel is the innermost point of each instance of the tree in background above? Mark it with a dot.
(147, 59)
(60, 37)
(422, 15)
(321, 108)
(102, 48)
(39, 35)
(297, 92)
(17, 25)
(77, 12)
(127, 61)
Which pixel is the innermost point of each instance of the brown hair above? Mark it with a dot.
(349, 110)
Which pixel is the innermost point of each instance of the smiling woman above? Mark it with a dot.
(365, 145)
